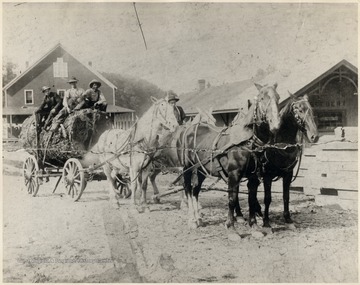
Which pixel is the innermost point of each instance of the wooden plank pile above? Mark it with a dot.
(329, 171)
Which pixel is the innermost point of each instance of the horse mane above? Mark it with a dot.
(143, 128)
(244, 119)
(285, 110)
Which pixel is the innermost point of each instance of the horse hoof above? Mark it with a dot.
(291, 226)
(229, 225)
(266, 224)
(252, 222)
(192, 225)
(156, 200)
(234, 237)
(200, 223)
(140, 209)
(289, 220)
(184, 206)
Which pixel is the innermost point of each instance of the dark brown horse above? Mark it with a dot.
(205, 150)
(279, 159)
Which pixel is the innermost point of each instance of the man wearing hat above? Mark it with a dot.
(93, 97)
(178, 111)
(50, 106)
(71, 99)
(72, 96)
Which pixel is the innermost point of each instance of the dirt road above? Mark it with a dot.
(321, 246)
(49, 238)
(52, 239)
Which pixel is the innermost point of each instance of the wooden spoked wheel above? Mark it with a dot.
(123, 186)
(30, 170)
(74, 178)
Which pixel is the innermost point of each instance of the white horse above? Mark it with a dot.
(130, 151)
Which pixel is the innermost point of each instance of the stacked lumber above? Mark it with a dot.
(329, 171)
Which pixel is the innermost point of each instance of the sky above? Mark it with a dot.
(186, 41)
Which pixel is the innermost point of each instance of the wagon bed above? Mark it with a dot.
(60, 154)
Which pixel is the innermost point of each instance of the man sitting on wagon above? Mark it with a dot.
(93, 97)
(71, 99)
(50, 106)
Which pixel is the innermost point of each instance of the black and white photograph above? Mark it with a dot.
(180, 142)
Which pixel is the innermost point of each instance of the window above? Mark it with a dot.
(60, 68)
(61, 92)
(29, 97)
(327, 121)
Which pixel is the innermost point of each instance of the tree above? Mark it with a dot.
(134, 93)
(8, 70)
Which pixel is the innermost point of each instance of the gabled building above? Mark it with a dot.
(23, 95)
(332, 88)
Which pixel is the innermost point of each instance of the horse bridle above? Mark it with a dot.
(261, 110)
(163, 120)
(300, 122)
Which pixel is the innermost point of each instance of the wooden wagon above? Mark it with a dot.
(61, 154)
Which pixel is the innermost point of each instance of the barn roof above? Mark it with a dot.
(299, 78)
(57, 46)
(216, 97)
(118, 109)
(234, 96)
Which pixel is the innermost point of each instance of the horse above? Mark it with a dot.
(154, 169)
(207, 150)
(280, 158)
(129, 152)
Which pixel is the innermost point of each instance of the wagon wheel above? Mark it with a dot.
(122, 186)
(74, 178)
(30, 170)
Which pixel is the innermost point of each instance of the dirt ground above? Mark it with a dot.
(52, 239)
(321, 246)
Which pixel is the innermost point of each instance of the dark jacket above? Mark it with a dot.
(51, 101)
(179, 114)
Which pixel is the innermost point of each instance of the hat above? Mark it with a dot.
(73, 80)
(44, 88)
(172, 96)
(94, 81)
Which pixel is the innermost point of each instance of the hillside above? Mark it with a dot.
(134, 93)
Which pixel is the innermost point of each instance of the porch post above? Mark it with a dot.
(11, 132)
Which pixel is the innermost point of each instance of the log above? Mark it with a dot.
(82, 128)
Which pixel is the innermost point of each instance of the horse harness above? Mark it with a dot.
(216, 153)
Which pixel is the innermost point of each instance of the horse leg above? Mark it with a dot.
(152, 176)
(286, 197)
(184, 203)
(111, 180)
(233, 191)
(133, 184)
(196, 191)
(142, 181)
(253, 185)
(238, 208)
(188, 193)
(267, 200)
